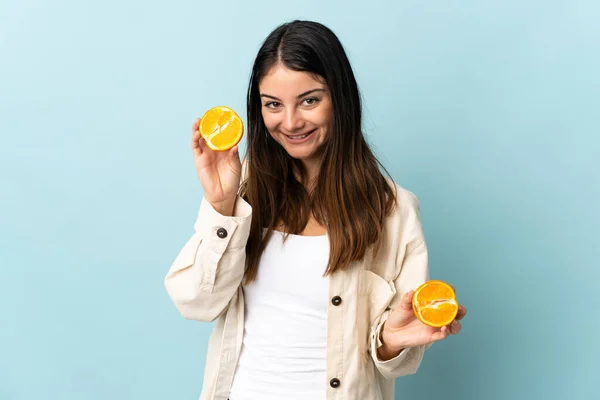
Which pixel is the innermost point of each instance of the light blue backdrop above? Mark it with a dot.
(487, 110)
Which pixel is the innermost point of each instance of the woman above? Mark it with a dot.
(307, 256)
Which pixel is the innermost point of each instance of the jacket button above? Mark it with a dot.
(222, 233)
(335, 382)
(336, 300)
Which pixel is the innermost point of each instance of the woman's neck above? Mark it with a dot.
(311, 168)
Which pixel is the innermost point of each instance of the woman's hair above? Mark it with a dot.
(351, 196)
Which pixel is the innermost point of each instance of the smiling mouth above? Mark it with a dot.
(298, 137)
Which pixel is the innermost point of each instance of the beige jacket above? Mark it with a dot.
(204, 282)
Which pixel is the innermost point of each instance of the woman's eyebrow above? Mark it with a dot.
(300, 95)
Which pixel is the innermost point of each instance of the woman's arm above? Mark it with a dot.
(210, 267)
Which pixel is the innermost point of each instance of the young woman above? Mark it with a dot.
(307, 255)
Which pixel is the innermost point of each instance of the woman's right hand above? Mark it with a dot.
(219, 173)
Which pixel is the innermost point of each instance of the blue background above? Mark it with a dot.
(487, 110)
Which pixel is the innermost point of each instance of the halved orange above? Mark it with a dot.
(434, 303)
(221, 128)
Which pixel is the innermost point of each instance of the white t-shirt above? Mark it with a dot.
(284, 351)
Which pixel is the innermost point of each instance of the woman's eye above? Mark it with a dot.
(311, 101)
(272, 104)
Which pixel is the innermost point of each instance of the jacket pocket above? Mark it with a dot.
(374, 297)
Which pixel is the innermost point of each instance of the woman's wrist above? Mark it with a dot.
(225, 208)
(386, 352)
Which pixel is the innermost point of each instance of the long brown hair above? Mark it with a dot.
(351, 196)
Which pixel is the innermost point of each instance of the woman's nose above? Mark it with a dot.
(293, 121)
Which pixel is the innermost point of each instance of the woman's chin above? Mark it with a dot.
(301, 154)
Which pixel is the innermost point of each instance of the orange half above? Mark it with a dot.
(434, 303)
(221, 128)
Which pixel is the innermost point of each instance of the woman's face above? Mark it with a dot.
(297, 111)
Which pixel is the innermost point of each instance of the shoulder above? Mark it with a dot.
(402, 233)
(406, 202)
(403, 223)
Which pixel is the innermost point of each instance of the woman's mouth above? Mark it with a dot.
(297, 139)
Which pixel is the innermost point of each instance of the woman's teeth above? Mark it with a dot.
(299, 136)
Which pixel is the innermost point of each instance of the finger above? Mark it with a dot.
(234, 156)
(441, 334)
(454, 327)
(462, 311)
(406, 303)
(196, 144)
(202, 144)
(196, 125)
(195, 133)
(234, 160)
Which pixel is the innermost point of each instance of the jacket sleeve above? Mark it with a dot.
(413, 266)
(209, 269)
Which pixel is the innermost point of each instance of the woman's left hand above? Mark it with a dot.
(403, 329)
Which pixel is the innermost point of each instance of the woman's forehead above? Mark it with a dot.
(282, 81)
